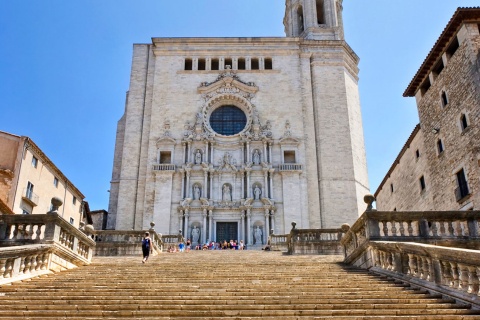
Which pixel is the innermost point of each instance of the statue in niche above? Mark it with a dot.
(257, 192)
(256, 157)
(198, 157)
(196, 192)
(227, 193)
(195, 234)
(258, 235)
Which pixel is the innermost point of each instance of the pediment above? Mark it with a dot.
(289, 141)
(165, 140)
(227, 83)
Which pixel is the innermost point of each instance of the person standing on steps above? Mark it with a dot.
(147, 247)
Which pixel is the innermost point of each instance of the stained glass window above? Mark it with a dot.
(228, 120)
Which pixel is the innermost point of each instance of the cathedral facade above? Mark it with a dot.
(230, 138)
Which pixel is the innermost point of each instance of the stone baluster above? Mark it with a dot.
(3, 263)
(402, 228)
(442, 228)
(15, 231)
(455, 280)
(434, 229)
(412, 265)
(473, 281)
(8, 269)
(459, 228)
(33, 263)
(450, 228)
(27, 264)
(463, 277)
(39, 231)
(429, 267)
(410, 228)
(394, 228)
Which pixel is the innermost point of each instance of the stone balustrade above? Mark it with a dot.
(290, 167)
(124, 243)
(279, 242)
(315, 241)
(163, 167)
(38, 244)
(437, 251)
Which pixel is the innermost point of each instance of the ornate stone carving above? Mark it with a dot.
(227, 83)
(227, 163)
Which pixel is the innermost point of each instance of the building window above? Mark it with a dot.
(228, 62)
(215, 64)
(268, 64)
(440, 146)
(438, 67)
(391, 187)
(425, 86)
(422, 183)
(417, 154)
(74, 201)
(463, 122)
(241, 64)
(444, 99)
(25, 211)
(453, 47)
(462, 187)
(228, 120)
(72, 221)
(55, 182)
(202, 64)
(301, 28)
(255, 64)
(29, 191)
(320, 12)
(34, 162)
(188, 64)
(289, 157)
(165, 157)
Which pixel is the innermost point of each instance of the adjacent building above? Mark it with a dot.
(439, 166)
(229, 138)
(29, 180)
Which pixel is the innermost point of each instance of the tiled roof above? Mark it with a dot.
(461, 15)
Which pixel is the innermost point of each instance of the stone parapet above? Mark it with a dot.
(124, 243)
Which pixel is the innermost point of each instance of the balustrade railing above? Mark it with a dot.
(315, 241)
(433, 250)
(31, 244)
(290, 167)
(279, 242)
(119, 243)
(164, 167)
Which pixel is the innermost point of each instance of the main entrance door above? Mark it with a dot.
(227, 231)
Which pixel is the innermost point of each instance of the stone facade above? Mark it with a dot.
(448, 97)
(29, 180)
(297, 156)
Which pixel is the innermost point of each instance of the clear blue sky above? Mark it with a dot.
(65, 67)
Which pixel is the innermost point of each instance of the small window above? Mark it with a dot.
(417, 154)
(55, 182)
(440, 146)
(34, 162)
(391, 187)
(394, 209)
(241, 64)
(425, 86)
(25, 211)
(463, 122)
(215, 64)
(438, 67)
(165, 157)
(188, 64)
(289, 157)
(202, 64)
(462, 190)
(268, 64)
(444, 99)
(29, 191)
(422, 183)
(72, 221)
(320, 12)
(74, 201)
(255, 64)
(453, 47)
(228, 62)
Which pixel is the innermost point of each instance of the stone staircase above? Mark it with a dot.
(222, 285)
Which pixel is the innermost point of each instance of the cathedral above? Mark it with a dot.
(235, 138)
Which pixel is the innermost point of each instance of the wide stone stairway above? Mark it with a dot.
(221, 285)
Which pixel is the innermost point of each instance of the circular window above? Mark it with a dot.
(228, 120)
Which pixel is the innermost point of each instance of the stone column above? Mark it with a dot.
(211, 184)
(248, 151)
(183, 184)
(184, 152)
(266, 232)
(249, 227)
(204, 226)
(265, 179)
(270, 153)
(243, 184)
(204, 189)
(189, 154)
(272, 214)
(185, 227)
(219, 188)
(265, 151)
(242, 229)
(249, 187)
(210, 224)
(271, 183)
(243, 153)
(180, 219)
(206, 152)
(188, 191)
(234, 189)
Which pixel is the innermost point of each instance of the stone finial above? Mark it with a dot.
(152, 226)
(345, 227)
(271, 231)
(89, 229)
(294, 224)
(369, 199)
(56, 203)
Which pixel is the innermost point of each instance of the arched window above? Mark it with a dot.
(300, 19)
(320, 12)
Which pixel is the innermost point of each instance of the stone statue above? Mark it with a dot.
(258, 235)
(195, 234)
(227, 194)
(196, 192)
(256, 157)
(198, 157)
(257, 192)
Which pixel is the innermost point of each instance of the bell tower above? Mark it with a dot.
(314, 19)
